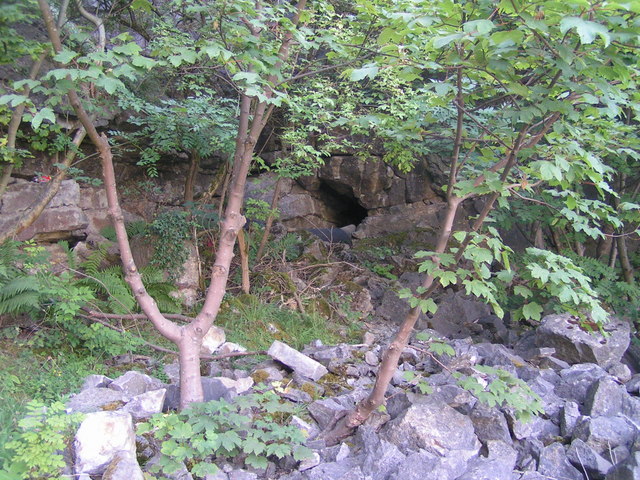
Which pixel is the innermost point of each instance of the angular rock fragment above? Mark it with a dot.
(297, 361)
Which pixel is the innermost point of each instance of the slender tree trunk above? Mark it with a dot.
(188, 338)
(243, 247)
(52, 187)
(14, 125)
(267, 227)
(191, 176)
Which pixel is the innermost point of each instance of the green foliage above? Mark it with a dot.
(548, 280)
(173, 230)
(248, 428)
(497, 387)
(20, 289)
(256, 324)
(623, 298)
(38, 445)
(202, 125)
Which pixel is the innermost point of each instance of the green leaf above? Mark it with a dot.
(143, 5)
(65, 56)
(130, 48)
(111, 85)
(367, 71)
(532, 311)
(587, 30)
(479, 27)
(522, 291)
(247, 78)
(256, 462)
(440, 42)
(44, 114)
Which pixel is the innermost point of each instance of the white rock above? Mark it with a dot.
(212, 340)
(100, 437)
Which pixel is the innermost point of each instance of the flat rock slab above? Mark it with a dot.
(298, 362)
(575, 345)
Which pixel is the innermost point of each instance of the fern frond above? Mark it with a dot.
(18, 285)
(92, 264)
(152, 274)
(21, 302)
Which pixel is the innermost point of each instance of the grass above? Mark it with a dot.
(255, 325)
(27, 375)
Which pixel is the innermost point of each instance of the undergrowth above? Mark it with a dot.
(255, 325)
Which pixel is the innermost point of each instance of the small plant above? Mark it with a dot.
(497, 387)
(434, 346)
(172, 230)
(38, 444)
(248, 427)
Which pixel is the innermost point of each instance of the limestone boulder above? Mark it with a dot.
(103, 436)
(574, 345)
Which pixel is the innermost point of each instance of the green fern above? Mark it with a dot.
(91, 266)
(19, 291)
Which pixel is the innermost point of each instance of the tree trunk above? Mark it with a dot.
(267, 227)
(243, 247)
(36, 209)
(191, 176)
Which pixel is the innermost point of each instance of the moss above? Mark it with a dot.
(309, 389)
(260, 376)
(112, 406)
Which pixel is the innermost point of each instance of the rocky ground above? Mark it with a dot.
(590, 427)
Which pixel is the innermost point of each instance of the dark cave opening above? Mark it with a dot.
(345, 208)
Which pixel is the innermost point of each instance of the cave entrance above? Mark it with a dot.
(344, 208)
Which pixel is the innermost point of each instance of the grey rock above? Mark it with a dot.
(633, 385)
(587, 460)
(416, 465)
(241, 474)
(270, 372)
(123, 467)
(621, 372)
(172, 371)
(604, 433)
(575, 345)
(297, 361)
(538, 427)
(631, 410)
(569, 417)
(326, 354)
(146, 404)
(626, 470)
(343, 452)
(221, 387)
(348, 469)
(604, 398)
(456, 397)
(96, 381)
(297, 396)
(326, 411)
(497, 465)
(434, 427)
(382, 460)
(371, 358)
(457, 314)
(554, 463)
(93, 399)
(489, 424)
(219, 475)
(576, 381)
(308, 429)
(135, 383)
(312, 461)
(551, 403)
(533, 476)
(102, 436)
(500, 356)
(331, 235)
